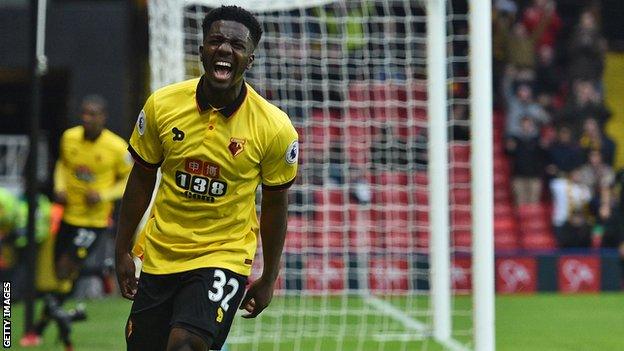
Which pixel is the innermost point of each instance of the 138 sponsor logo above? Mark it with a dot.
(198, 180)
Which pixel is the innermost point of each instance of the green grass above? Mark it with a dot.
(558, 322)
(103, 330)
(540, 322)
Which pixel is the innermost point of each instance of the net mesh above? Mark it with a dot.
(352, 77)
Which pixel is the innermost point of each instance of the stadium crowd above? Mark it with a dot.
(548, 72)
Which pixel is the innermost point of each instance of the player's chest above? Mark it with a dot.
(212, 142)
(86, 160)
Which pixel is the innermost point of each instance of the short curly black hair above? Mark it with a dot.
(236, 14)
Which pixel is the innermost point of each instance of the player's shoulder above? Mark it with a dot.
(73, 133)
(114, 140)
(265, 109)
(175, 91)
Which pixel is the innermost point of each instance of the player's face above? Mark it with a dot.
(93, 118)
(226, 54)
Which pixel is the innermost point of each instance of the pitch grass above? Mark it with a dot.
(546, 322)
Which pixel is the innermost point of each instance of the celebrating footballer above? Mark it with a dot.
(215, 140)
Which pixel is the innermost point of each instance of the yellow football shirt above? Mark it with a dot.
(101, 165)
(204, 214)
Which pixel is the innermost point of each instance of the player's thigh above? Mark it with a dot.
(150, 317)
(148, 330)
(183, 339)
(206, 303)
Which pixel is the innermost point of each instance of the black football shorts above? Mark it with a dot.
(202, 301)
(77, 242)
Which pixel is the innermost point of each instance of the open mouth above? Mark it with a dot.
(222, 70)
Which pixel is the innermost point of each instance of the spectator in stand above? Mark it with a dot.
(586, 49)
(619, 180)
(520, 48)
(543, 13)
(522, 45)
(570, 199)
(593, 138)
(503, 19)
(585, 102)
(613, 226)
(564, 154)
(547, 78)
(528, 163)
(520, 103)
(599, 177)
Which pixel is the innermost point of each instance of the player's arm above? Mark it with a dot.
(60, 177)
(115, 192)
(135, 201)
(124, 164)
(273, 223)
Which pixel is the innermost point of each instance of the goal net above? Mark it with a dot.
(352, 75)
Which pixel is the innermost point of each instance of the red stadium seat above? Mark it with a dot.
(294, 237)
(330, 211)
(462, 238)
(502, 181)
(461, 218)
(538, 241)
(501, 165)
(461, 196)
(460, 153)
(460, 175)
(502, 195)
(385, 101)
(333, 241)
(529, 211)
(422, 240)
(420, 178)
(391, 178)
(505, 225)
(503, 211)
(422, 216)
(534, 225)
(506, 240)
(391, 196)
(419, 116)
(359, 92)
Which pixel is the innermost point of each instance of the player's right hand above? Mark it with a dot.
(93, 197)
(126, 278)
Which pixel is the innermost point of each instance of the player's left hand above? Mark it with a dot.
(258, 297)
(93, 197)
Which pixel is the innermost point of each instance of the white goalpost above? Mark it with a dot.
(390, 241)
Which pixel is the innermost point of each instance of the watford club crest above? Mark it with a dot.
(236, 146)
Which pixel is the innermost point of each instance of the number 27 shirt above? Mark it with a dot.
(212, 161)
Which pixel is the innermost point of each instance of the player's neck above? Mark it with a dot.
(218, 98)
(92, 136)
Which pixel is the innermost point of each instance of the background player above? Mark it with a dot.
(90, 174)
(215, 140)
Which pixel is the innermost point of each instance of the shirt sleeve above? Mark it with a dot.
(124, 164)
(60, 171)
(122, 169)
(279, 165)
(145, 145)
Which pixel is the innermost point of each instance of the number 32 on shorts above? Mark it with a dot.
(216, 292)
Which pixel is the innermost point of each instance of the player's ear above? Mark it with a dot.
(250, 61)
(201, 53)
